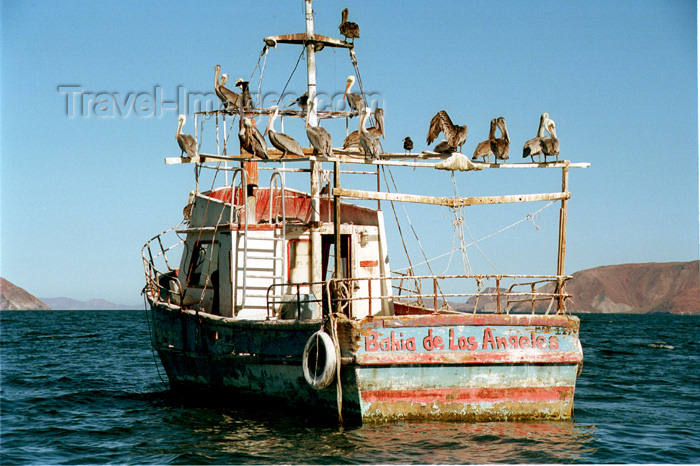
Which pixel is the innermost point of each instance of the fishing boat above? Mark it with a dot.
(272, 294)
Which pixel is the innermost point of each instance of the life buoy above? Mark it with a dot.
(319, 360)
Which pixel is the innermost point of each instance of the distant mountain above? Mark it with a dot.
(14, 298)
(672, 287)
(68, 304)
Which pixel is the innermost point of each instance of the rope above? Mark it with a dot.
(338, 385)
(474, 242)
(291, 75)
(150, 333)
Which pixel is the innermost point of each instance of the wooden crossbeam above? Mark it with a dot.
(448, 201)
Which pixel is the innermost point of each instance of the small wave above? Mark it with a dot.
(661, 345)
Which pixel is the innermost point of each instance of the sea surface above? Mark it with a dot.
(83, 387)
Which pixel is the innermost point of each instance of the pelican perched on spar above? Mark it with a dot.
(369, 141)
(456, 135)
(352, 141)
(284, 143)
(250, 138)
(355, 101)
(533, 146)
(319, 138)
(245, 93)
(186, 142)
(227, 96)
(347, 28)
(500, 146)
(550, 145)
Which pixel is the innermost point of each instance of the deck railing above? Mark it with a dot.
(158, 270)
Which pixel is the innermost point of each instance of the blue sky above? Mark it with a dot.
(81, 194)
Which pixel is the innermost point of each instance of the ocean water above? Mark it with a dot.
(83, 387)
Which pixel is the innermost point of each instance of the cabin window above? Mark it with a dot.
(205, 261)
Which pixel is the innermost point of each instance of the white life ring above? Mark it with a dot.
(317, 355)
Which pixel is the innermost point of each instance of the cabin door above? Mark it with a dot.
(329, 261)
(223, 293)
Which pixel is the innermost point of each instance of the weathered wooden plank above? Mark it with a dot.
(448, 201)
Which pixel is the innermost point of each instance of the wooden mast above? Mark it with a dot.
(562, 237)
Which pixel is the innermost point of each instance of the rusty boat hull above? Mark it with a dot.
(466, 367)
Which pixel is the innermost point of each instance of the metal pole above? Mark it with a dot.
(314, 166)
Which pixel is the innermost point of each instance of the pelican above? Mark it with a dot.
(217, 72)
(456, 135)
(407, 144)
(355, 101)
(352, 141)
(245, 93)
(550, 145)
(250, 138)
(185, 141)
(319, 138)
(348, 29)
(500, 146)
(534, 146)
(281, 141)
(483, 149)
(227, 96)
(368, 140)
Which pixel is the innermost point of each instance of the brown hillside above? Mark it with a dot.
(14, 298)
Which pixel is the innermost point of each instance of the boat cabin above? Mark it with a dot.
(255, 261)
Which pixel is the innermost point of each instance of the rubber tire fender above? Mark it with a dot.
(311, 350)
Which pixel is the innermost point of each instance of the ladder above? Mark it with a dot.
(260, 259)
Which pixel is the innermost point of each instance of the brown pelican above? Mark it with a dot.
(247, 100)
(319, 138)
(369, 141)
(217, 72)
(534, 146)
(227, 96)
(444, 147)
(483, 149)
(456, 135)
(281, 141)
(352, 141)
(355, 101)
(407, 144)
(348, 29)
(185, 141)
(250, 138)
(550, 145)
(500, 146)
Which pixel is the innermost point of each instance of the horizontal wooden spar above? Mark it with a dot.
(448, 201)
(399, 160)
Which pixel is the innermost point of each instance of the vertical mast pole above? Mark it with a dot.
(314, 165)
(562, 237)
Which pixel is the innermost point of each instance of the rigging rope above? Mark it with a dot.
(303, 49)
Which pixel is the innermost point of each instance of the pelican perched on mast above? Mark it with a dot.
(245, 93)
(227, 96)
(286, 144)
(352, 141)
(319, 138)
(250, 138)
(186, 142)
(456, 135)
(533, 146)
(550, 145)
(500, 146)
(355, 101)
(369, 141)
(348, 29)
